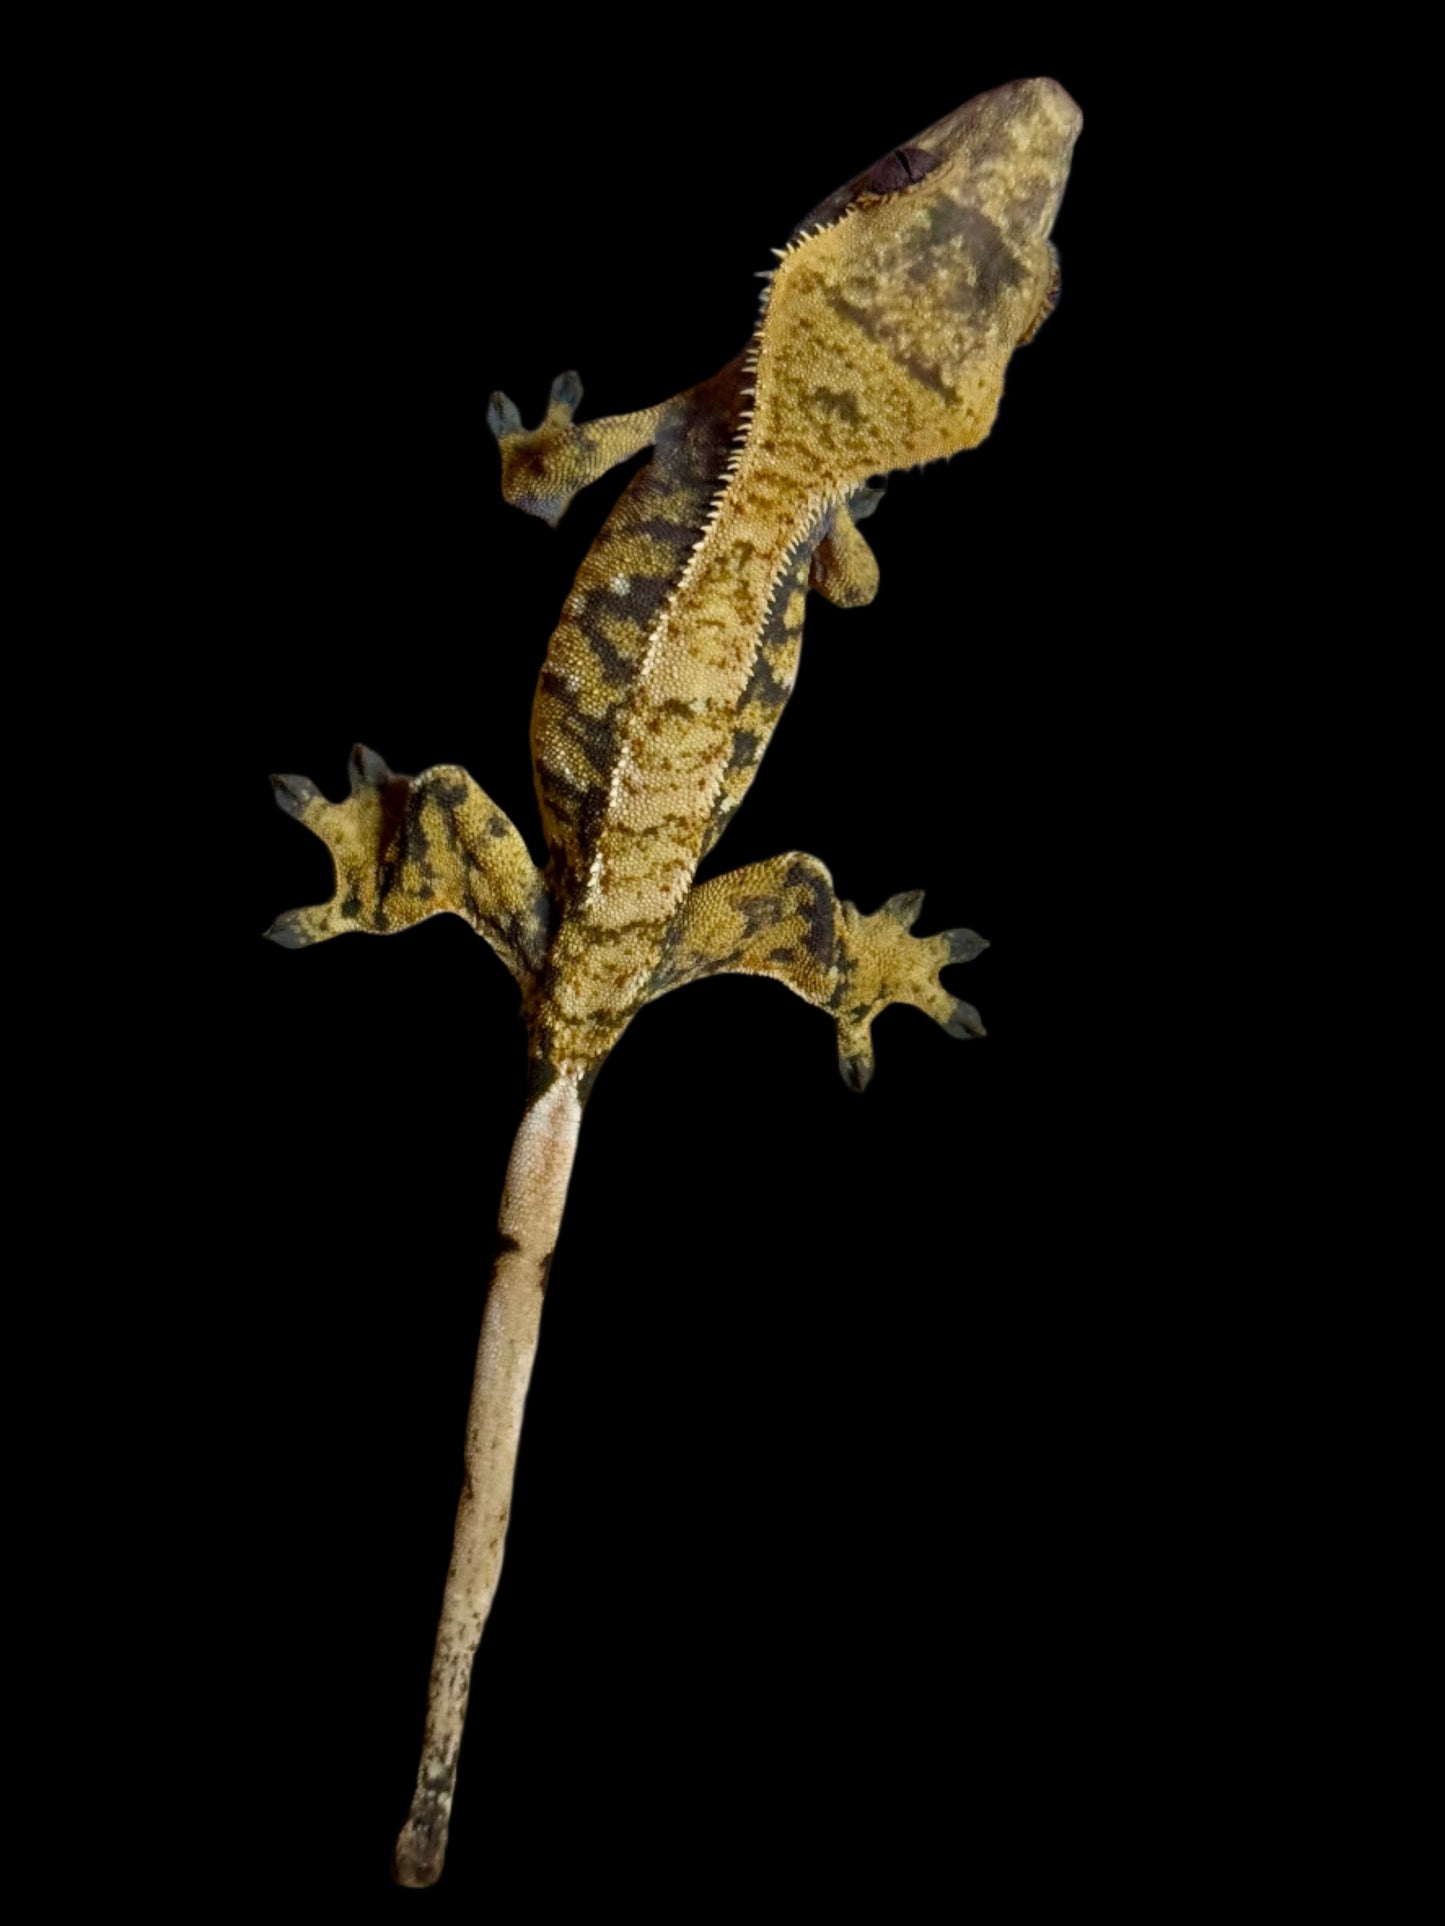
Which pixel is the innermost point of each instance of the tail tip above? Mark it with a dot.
(421, 1846)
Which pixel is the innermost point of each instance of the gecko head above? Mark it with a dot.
(898, 301)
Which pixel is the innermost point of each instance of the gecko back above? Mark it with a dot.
(883, 338)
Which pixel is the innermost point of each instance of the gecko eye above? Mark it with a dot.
(897, 169)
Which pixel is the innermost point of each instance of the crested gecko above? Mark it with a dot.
(884, 331)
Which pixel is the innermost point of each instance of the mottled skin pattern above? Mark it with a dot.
(882, 342)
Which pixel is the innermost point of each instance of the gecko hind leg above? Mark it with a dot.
(545, 466)
(782, 919)
(409, 847)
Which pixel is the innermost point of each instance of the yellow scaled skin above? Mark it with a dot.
(885, 332)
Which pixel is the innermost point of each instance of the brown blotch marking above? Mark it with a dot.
(618, 668)
(764, 688)
(876, 326)
(572, 802)
(542, 1073)
(677, 536)
(845, 965)
(449, 791)
(389, 840)
(815, 912)
(837, 401)
(998, 266)
(745, 749)
(758, 912)
(418, 847)
(665, 827)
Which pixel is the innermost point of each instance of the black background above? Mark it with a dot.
(841, 1540)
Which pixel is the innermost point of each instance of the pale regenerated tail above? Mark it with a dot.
(532, 1202)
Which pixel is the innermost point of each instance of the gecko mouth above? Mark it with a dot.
(1049, 302)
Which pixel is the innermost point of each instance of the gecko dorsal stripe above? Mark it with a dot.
(883, 335)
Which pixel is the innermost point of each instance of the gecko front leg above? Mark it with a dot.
(544, 467)
(409, 847)
(844, 569)
(782, 919)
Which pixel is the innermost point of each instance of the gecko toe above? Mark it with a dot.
(856, 1068)
(965, 945)
(366, 770)
(964, 1021)
(904, 908)
(289, 932)
(502, 416)
(566, 395)
(293, 793)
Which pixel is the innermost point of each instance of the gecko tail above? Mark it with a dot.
(533, 1199)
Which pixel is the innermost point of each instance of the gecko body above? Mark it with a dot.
(883, 336)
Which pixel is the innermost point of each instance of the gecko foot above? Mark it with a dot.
(882, 962)
(361, 833)
(537, 463)
(409, 847)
